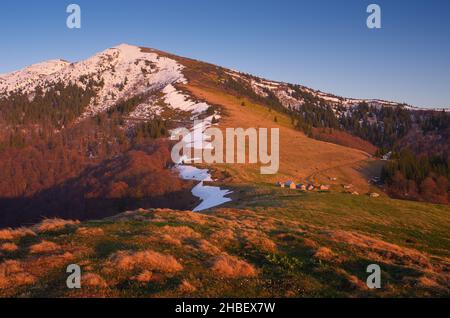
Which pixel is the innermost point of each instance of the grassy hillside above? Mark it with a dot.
(277, 243)
(300, 156)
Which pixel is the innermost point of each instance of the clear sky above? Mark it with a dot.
(323, 44)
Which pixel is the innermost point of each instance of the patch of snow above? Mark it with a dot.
(178, 100)
(146, 111)
(197, 138)
(193, 173)
(265, 84)
(209, 195)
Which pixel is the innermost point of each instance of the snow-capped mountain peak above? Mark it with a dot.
(20, 80)
(121, 72)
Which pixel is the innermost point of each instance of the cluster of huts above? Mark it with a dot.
(348, 188)
(302, 187)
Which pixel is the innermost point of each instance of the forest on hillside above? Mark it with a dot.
(99, 164)
(418, 140)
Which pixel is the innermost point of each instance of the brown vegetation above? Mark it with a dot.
(94, 193)
(9, 247)
(44, 247)
(343, 138)
(381, 250)
(13, 234)
(53, 225)
(13, 275)
(90, 231)
(244, 245)
(145, 260)
(259, 240)
(144, 277)
(325, 254)
(186, 287)
(93, 280)
(229, 266)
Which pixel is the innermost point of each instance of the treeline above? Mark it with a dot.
(242, 88)
(56, 107)
(382, 126)
(435, 121)
(45, 162)
(422, 173)
(26, 119)
(417, 177)
(38, 157)
(313, 113)
(309, 115)
(129, 180)
(124, 107)
(154, 129)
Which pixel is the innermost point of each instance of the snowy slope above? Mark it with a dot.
(27, 79)
(124, 70)
(178, 100)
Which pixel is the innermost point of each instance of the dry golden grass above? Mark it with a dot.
(30, 270)
(176, 235)
(206, 247)
(258, 240)
(352, 279)
(223, 236)
(145, 260)
(52, 225)
(44, 247)
(167, 239)
(186, 287)
(310, 243)
(311, 156)
(192, 217)
(9, 247)
(144, 277)
(13, 234)
(231, 244)
(181, 232)
(228, 266)
(87, 231)
(93, 281)
(380, 250)
(325, 254)
(13, 275)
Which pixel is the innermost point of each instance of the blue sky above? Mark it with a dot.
(324, 44)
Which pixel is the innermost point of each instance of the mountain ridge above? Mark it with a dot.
(129, 52)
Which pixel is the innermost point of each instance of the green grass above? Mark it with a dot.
(423, 226)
